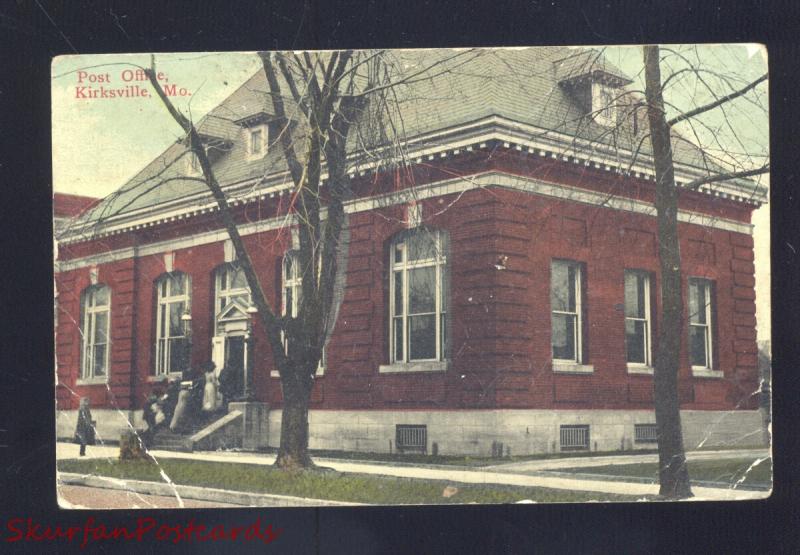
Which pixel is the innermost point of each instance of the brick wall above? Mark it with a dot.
(500, 319)
(121, 278)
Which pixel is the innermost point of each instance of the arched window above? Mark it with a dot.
(172, 342)
(291, 294)
(95, 311)
(292, 285)
(230, 285)
(418, 296)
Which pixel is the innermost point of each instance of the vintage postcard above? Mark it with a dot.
(322, 278)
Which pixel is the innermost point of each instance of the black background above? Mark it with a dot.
(31, 33)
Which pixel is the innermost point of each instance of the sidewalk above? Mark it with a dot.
(501, 474)
(580, 462)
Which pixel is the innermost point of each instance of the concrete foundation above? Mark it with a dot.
(225, 433)
(255, 427)
(521, 432)
(109, 427)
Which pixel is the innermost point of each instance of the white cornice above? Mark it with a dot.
(442, 144)
(431, 190)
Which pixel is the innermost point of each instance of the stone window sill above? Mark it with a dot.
(640, 369)
(320, 373)
(570, 367)
(164, 377)
(92, 381)
(413, 367)
(707, 373)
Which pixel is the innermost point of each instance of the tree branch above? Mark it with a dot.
(287, 143)
(697, 183)
(287, 76)
(718, 102)
(266, 313)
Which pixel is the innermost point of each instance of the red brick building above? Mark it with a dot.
(68, 207)
(504, 290)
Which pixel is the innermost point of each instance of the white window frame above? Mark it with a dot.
(645, 367)
(294, 283)
(604, 104)
(574, 365)
(249, 132)
(706, 370)
(192, 163)
(570, 434)
(223, 290)
(90, 312)
(439, 262)
(162, 332)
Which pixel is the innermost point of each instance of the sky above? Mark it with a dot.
(100, 143)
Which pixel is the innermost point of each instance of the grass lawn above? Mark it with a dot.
(478, 461)
(728, 471)
(318, 484)
(462, 460)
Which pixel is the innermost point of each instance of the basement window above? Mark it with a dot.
(645, 433)
(411, 438)
(574, 437)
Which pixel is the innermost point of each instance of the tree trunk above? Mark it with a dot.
(673, 474)
(293, 450)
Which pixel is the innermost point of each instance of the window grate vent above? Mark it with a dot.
(411, 438)
(574, 437)
(645, 433)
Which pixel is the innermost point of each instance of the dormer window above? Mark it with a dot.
(604, 104)
(193, 164)
(256, 141)
(594, 84)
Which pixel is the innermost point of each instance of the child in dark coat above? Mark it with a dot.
(84, 432)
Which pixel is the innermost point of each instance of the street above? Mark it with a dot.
(80, 497)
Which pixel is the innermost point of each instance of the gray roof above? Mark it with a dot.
(525, 85)
(586, 63)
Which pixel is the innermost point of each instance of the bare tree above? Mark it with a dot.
(673, 474)
(336, 112)
(318, 100)
(628, 140)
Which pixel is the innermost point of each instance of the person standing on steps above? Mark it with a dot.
(84, 432)
(210, 387)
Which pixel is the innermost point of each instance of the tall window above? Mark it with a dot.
(231, 285)
(292, 285)
(565, 304)
(419, 296)
(701, 309)
(292, 294)
(96, 304)
(172, 302)
(637, 318)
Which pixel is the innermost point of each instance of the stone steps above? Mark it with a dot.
(168, 440)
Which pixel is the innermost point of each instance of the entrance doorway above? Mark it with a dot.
(229, 350)
(235, 360)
